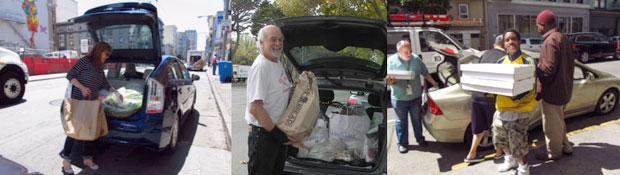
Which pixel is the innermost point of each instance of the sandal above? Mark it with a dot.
(67, 172)
(474, 160)
(93, 166)
(496, 157)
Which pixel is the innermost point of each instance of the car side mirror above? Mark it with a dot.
(195, 77)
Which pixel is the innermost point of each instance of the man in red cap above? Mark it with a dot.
(555, 75)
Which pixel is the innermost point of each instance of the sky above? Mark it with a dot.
(182, 13)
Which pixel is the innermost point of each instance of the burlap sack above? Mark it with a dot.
(303, 109)
(84, 119)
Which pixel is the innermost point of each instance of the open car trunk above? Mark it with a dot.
(130, 83)
(348, 137)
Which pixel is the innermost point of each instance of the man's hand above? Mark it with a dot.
(292, 142)
(391, 80)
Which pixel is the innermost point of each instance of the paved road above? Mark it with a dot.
(597, 149)
(32, 136)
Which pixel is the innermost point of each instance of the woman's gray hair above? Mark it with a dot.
(401, 43)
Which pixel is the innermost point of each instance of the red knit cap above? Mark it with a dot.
(546, 17)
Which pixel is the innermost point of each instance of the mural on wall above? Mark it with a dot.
(30, 9)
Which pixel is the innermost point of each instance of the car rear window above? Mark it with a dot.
(128, 36)
(304, 54)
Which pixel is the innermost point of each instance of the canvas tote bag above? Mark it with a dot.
(303, 109)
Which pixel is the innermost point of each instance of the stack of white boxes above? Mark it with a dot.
(501, 79)
(401, 74)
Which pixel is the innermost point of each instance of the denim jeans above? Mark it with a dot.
(403, 109)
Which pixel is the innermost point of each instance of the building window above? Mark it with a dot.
(563, 24)
(463, 11)
(600, 3)
(505, 22)
(567, 1)
(523, 24)
(577, 25)
(580, 1)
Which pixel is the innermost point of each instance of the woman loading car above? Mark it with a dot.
(87, 78)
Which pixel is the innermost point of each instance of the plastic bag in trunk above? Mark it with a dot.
(350, 125)
(319, 134)
(371, 143)
(130, 103)
(327, 150)
(303, 109)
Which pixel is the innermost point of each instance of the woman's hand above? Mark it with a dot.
(86, 92)
(391, 80)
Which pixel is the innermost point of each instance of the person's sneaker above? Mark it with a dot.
(423, 144)
(523, 169)
(402, 149)
(509, 163)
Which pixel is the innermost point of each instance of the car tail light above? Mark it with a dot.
(155, 97)
(574, 46)
(432, 106)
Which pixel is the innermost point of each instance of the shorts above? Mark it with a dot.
(481, 116)
(511, 135)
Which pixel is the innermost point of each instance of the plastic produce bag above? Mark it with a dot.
(325, 151)
(371, 143)
(129, 104)
(319, 134)
(303, 109)
(351, 127)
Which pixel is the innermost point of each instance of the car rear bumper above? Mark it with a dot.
(138, 133)
(444, 130)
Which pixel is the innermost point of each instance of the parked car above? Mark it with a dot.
(13, 77)
(425, 41)
(616, 39)
(240, 72)
(589, 45)
(345, 56)
(447, 115)
(169, 94)
(531, 44)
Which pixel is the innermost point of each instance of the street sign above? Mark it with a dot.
(84, 45)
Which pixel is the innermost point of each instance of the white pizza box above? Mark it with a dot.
(401, 74)
(505, 88)
(500, 72)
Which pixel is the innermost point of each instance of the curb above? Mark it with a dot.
(30, 79)
(218, 101)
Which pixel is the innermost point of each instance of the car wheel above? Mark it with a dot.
(12, 88)
(584, 57)
(607, 102)
(174, 136)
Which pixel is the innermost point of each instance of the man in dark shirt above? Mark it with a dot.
(555, 73)
(483, 106)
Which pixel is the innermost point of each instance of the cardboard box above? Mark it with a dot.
(502, 79)
(401, 74)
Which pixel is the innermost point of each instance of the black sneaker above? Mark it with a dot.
(423, 144)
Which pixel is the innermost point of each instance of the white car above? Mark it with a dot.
(13, 77)
(531, 44)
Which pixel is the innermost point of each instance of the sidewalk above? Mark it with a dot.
(34, 78)
(223, 98)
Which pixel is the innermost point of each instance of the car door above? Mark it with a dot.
(189, 89)
(174, 81)
(181, 86)
(583, 90)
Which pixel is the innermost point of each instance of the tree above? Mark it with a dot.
(247, 51)
(241, 13)
(373, 9)
(265, 14)
(426, 6)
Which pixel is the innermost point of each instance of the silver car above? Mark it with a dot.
(447, 115)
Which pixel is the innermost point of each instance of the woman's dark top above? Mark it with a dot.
(91, 77)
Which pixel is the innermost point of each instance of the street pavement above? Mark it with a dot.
(596, 150)
(240, 137)
(32, 135)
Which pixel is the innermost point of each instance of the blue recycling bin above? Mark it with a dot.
(225, 71)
